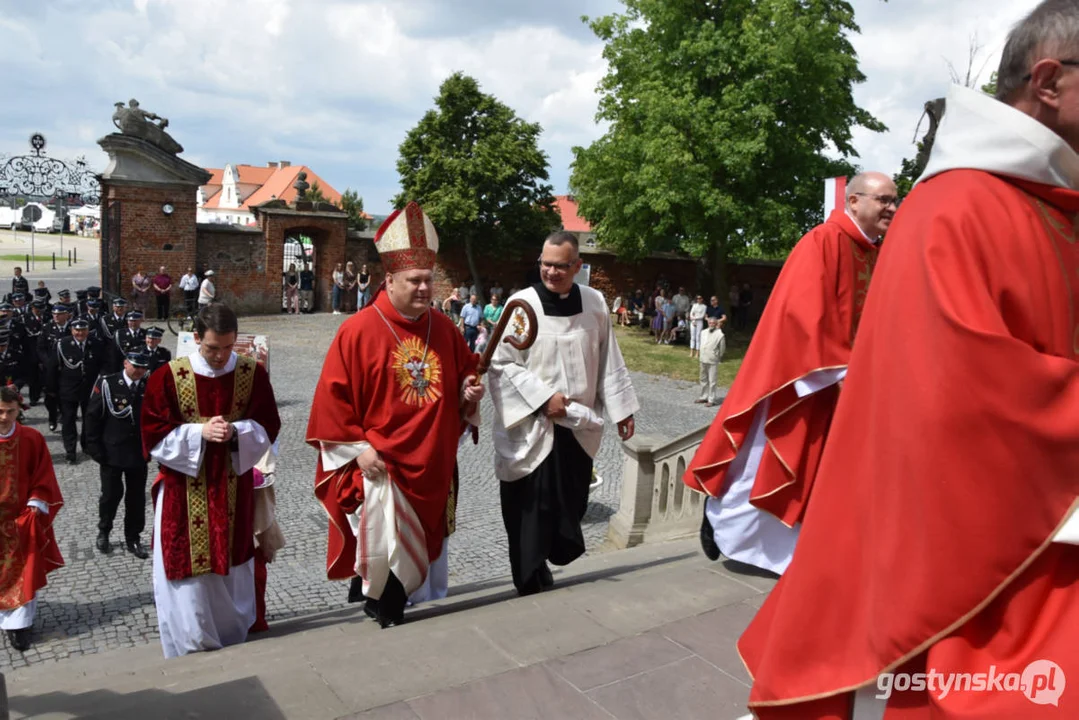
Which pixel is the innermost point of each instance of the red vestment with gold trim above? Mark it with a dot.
(28, 550)
(367, 393)
(809, 324)
(951, 466)
(207, 521)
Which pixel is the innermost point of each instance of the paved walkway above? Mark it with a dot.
(99, 603)
(632, 635)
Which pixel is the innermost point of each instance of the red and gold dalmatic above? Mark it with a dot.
(28, 550)
(808, 325)
(953, 462)
(207, 521)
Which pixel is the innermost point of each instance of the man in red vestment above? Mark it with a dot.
(207, 419)
(386, 419)
(758, 461)
(937, 575)
(29, 501)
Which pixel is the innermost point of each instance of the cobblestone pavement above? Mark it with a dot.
(97, 603)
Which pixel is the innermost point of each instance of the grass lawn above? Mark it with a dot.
(643, 355)
(35, 258)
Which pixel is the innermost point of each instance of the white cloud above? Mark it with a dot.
(336, 84)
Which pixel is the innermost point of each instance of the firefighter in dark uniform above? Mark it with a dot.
(55, 331)
(110, 325)
(112, 437)
(33, 325)
(129, 339)
(64, 298)
(80, 302)
(78, 366)
(10, 361)
(92, 315)
(157, 355)
(19, 300)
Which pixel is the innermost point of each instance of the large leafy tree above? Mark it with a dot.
(722, 115)
(477, 170)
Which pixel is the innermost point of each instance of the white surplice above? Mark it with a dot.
(577, 356)
(210, 611)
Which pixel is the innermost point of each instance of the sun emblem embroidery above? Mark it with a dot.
(420, 379)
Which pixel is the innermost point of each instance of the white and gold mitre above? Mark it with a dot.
(407, 240)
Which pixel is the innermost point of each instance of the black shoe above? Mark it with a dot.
(52, 427)
(546, 579)
(355, 590)
(72, 458)
(372, 611)
(135, 548)
(708, 539)
(103, 544)
(20, 639)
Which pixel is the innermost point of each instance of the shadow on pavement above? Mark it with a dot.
(244, 698)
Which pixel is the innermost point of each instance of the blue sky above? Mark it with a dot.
(336, 85)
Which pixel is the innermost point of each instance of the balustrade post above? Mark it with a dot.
(627, 526)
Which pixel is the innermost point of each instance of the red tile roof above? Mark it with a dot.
(272, 182)
(571, 221)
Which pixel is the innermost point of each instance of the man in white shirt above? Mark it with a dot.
(207, 291)
(189, 283)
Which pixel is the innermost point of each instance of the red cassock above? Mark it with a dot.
(808, 325)
(365, 394)
(951, 464)
(207, 521)
(28, 550)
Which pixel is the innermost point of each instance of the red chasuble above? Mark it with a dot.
(28, 549)
(952, 462)
(368, 393)
(808, 324)
(207, 521)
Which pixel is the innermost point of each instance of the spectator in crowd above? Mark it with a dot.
(19, 283)
(162, 288)
(732, 300)
(715, 310)
(338, 288)
(348, 300)
(670, 314)
(636, 307)
(471, 316)
(452, 306)
(292, 290)
(140, 294)
(207, 291)
(496, 289)
(189, 284)
(493, 310)
(658, 304)
(698, 313)
(363, 288)
(307, 289)
(681, 301)
(482, 336)
(713, 347)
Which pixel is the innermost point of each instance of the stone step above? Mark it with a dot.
(631, 609)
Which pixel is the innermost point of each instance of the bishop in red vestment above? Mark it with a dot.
(207, 419)
(759, 459)
(941, 539)
(29, 501)
(386, 419)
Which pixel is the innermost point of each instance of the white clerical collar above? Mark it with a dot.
(863, 232)
(201, 367)
(9, 433)
(979, 132)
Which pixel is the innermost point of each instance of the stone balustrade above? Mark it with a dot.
(656, 505)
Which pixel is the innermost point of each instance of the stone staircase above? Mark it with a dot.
(647, 632)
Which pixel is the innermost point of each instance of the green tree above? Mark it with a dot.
(720, 115)
(352, 203)
(908, 174)
(314, 194)
(478, 172)
(990, 88)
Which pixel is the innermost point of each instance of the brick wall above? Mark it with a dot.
(238, 257)
(150, 238)
(328, 235)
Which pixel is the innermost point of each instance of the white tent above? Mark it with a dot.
(86, 211)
